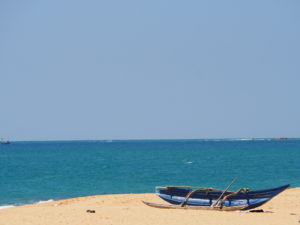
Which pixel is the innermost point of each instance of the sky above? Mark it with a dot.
(94, 70)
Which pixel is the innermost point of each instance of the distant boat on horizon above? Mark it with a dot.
(4, 142)
(281, 138)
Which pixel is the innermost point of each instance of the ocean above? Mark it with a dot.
(32, 172)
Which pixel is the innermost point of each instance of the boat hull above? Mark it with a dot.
(245, 199)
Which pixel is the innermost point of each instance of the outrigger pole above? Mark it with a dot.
(216, 202)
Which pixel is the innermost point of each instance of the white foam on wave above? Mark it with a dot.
(39, 202)
(50, 200)
(239, 139)
(6, 206)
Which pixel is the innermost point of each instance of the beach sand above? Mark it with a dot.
(128, 209)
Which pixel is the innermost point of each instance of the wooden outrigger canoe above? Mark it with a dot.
(184, 197)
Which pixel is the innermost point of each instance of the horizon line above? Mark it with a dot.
(160, 139)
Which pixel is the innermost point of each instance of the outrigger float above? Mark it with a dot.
(186, 197)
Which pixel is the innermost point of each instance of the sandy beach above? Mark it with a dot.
(128, 209)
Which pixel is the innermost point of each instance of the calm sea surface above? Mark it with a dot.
(38, 171)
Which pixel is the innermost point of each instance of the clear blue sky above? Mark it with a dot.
(149, 69)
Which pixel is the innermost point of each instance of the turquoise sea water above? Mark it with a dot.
(37, 171)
